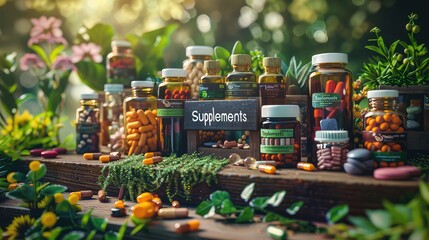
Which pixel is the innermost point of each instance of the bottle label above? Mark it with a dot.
(241, 90)
(121, 70)
(87, 128)
(274, 141)
(212, 91)
(272, 90)
(321, 100)
(386, 147)
(171, 108)
(276, 133)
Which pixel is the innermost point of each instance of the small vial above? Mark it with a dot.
(267, 169)
(306, 166)
(190, 226)
(92, 156)
(272, 84)
(173, 213)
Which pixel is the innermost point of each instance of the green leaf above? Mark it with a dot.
(399, 213)
(203, 208)
(379, 218)
(19, 177)
(53, 189)
(418, 234)
(91, 235)
(137, 229)
(55, 233)
(122, 230)
(92, 74)
(259, 202)
(218, 197)
(245, 216)
(138, 221)
(74, 235)
(271, 217)
(85, 218)
(294, 208)
(363, 224)
(64, 209)
(99, 223)
(417, 209)
(110, 235)
(37, 175)
(424, 191)
(55, 52)
(227, 207)
(41, 53)
(221, 53)
(100, 34)
(247, 192)
(7, 100)
(337, 213)
(277, 198)
(238, 48)
(24, 192)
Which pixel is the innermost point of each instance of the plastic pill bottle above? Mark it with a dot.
(141, 123)
(330, 96)
(120, 64)
(331, 149)
(172, 93)
(384, 133)
(280, 135)
(194, 66)
(111, 114)
(272, 86)
(88, 124)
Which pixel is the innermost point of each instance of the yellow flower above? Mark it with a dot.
(34, 166)
(49, 219)
(73, 199)
(19, 226)
(24, 117)
(10, 178)
(59, 197)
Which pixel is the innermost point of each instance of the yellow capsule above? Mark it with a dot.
(267, 169)
(108, 158)
(152, 160)
(190, 226)
(91, 156)
(306, 166)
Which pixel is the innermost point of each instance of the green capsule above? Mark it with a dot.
(276, 233)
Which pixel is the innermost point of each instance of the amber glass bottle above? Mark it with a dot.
(120, 64)
(241, 82)
(272, 87)
(141, 123)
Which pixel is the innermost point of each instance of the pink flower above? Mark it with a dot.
(46, 30)
(86, 50)
(30, 60)
(63, 63)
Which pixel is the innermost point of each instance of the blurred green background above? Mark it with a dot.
(284, 28)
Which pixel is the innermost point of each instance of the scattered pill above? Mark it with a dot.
(59, 150)
(152, 154)
(49, 154)
(249, 162)
(158, 202)
(102, 197)
(84, 194)
(233, 158)
(144, 197)
(173, 213)
(108, 158)
(230, 144)
(306, 166)
(276, 233)
(175, 204)
(115, 154)
(118, 212)
(119, 204)
(152, 160)
(359, 153)
(92, 156)
(190, 226)
(36, 152)
(267, 169)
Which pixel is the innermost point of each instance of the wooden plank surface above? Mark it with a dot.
(320, 190)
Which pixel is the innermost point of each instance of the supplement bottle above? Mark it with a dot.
(120, 64)
(88, 124)
(384, 133)
(272, 87)
(172, 93)
(212, 87)
(141, 123)
(332, 147)
(194, 63)
(330, 97)
(112, 114)
(280, 135)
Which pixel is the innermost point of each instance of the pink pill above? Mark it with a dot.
(49, 154)
(59, 150)
(391, 174)
(36, 152)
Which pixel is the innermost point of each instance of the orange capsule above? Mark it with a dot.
(108, 158)
(306, 166)
(190, 226)
(267, 169)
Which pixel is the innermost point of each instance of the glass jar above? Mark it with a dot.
(280, 135)
(384, 133)
(172, 93)
(88, 124)
(120, 64)
(212, 87)
(272, 86)
(330, 95)
(241, 82)
(141, 123)
(331, 149)
(112, 113)
(194, 66)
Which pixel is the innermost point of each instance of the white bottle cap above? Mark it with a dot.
(113, 87)
(120, 43)
(173, 72)
(280, 111)
(383, 93)
(329, 58)
(88, 96)
(199, 50)
(144, 84)
(331, 136)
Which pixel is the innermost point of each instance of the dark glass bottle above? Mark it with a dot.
(272, 86)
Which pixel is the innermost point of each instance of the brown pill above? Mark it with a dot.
(173, 213)
(49, 154)
(92, 156)
(152, 160)
(102, 197)
(108, 158)
(230, 144)
(175, 204)
(59, 150)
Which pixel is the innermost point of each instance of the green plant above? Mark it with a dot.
(296, 77)
(395, 221)
(7, 86)
(390, 67)
(175, 175)
(221, 203)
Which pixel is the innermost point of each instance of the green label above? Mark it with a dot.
(212, 91)
(389, 156)
(272, 149)
(277, 133)
(320, 100)
(236, 89)
(171, 112)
